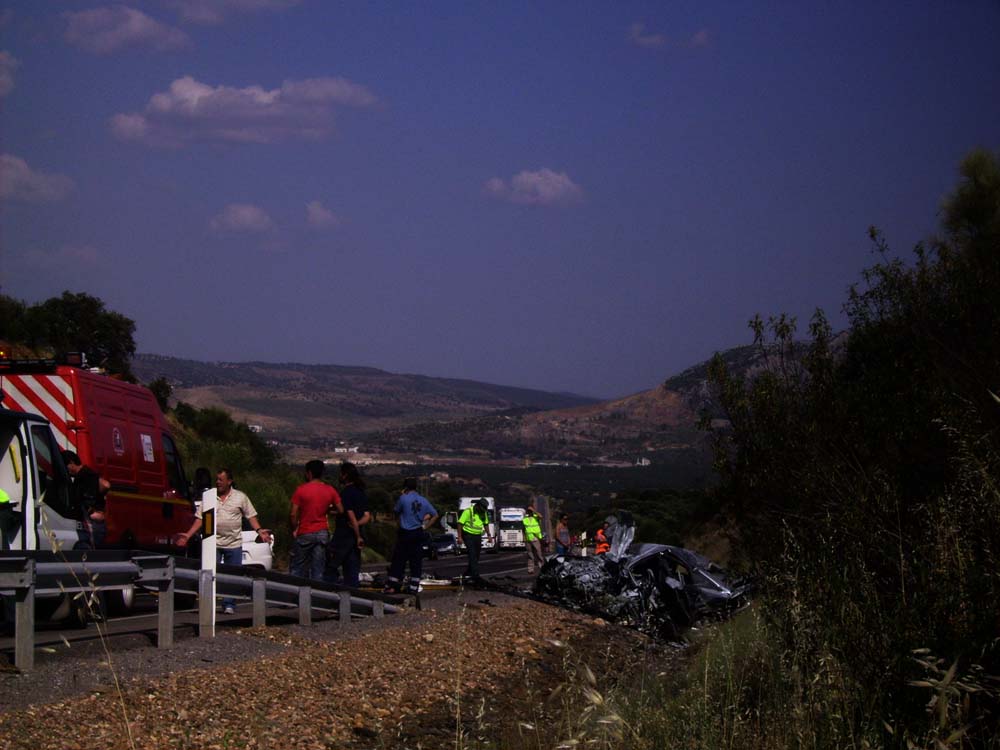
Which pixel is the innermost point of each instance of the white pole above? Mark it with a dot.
(206, 577)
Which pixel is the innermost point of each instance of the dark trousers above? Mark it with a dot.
(91, 534)
(409, 549)
(343, 562)
(473, 543)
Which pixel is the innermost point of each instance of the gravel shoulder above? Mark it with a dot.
(470, 669)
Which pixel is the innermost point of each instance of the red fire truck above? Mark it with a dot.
(117, 429)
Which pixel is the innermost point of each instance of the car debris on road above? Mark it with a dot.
(658, 589)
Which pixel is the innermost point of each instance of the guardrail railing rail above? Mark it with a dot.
(27, 575)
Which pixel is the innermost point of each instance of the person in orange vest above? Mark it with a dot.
(603, 545)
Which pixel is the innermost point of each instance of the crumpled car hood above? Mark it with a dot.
(656, 588)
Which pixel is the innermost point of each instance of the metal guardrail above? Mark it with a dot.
(27, 575)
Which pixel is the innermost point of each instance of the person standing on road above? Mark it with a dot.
(533, 537)
(344, 551)
(416, 515)
(87, 495)
(473, 522)
(563, 541)
(310, 505)
(231, 508)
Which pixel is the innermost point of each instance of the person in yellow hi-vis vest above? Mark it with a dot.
(533, 537)
(472, 524)
(8, 520)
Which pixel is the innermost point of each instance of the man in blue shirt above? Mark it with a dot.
(416, 515)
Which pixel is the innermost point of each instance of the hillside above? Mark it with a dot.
(405, 415)
(301, 403)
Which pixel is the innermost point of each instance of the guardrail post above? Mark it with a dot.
(345, 608)
(23, 583)
(165, 609)
(259, 602)
(206, 604)
(378, 609)
(305, 605)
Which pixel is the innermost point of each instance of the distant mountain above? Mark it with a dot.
(445, 418)
(304, 402)
(660, 424)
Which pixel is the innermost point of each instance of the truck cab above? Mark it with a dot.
(512, 528)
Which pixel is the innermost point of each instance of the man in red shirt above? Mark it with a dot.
(311, 503)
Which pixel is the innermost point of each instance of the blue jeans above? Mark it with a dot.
(233, 556)
(309, 555)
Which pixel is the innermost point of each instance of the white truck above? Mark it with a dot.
(512, 528)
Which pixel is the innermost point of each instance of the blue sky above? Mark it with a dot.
(573, 196)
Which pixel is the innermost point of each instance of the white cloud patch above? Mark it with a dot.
(18, 181)
(8, 65)
(190, 110)
(641, 38)
(216, 11)
(241, 217)
(109, 29)
(319, 216)
(542, 188)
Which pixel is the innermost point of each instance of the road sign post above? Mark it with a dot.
(209, 557)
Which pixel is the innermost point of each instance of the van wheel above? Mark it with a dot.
(121, 602)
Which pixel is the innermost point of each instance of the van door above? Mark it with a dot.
(55, 518)
(33, 476)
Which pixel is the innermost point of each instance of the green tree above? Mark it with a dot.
(80, 323)
(863, 468)
(162, 390)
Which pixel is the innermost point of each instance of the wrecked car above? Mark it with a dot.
(656, 588)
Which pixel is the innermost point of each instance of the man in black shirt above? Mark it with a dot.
(344, 550)
(87, 493)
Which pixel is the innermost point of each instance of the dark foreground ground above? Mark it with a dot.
(472, 669)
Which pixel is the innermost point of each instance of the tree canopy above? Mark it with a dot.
(72, 322)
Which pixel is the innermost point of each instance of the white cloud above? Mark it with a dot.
(8, 64)
(320, 216)
(639, 37)
(190, 110)
(542, 188)
(106, 30)
(241, 217)
(18, 181)
(215, 11)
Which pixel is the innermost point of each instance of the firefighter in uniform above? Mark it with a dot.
(472, 524)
